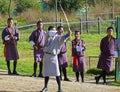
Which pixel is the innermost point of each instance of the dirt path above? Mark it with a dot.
(24, 83)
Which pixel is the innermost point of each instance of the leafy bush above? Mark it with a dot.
(4, 5)
(23, 5)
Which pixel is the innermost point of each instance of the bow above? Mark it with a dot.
(65, 17)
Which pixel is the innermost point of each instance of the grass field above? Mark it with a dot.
(25, 63)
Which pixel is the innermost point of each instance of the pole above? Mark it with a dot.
(117, 64)
(80, 26)
(99, 25)
(9, 9)
(56, 13)
(113, 9)
(60, 13)
(86, 16)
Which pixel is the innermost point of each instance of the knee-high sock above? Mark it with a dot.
(14, 65)
(58, 82)
(64, 73)
(46, 81)
(102, 73)
(8, 65)
(82, 76)
(40, 67)
(35, 67)
(77, 76)
(104, 76)
(60, 72)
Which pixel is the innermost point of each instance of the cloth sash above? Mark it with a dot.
(75, 60)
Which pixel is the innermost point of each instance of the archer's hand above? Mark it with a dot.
(69, 32)
(116, 59)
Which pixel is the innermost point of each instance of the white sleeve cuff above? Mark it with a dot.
(7, 38)
(15, 38)
(32, 43)
(82, 48)
(116, 54)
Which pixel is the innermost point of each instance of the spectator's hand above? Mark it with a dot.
(83, 45)
(11, 36)
(35, 47)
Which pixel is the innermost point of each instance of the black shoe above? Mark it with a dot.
(97, 79)
(59, 90)
(9, 73)
(15, 73)
(40, 75)
(82, 81)
(105, 83)
(33, 75)
(66, 79)
(44, 90)
(60, 77)
(77, 81)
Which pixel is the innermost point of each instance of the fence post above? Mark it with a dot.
(60, 22)
(116, 24)
(89, 62)
(80, 26)
(99, 31)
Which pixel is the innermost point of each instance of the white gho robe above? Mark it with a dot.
(52, 49)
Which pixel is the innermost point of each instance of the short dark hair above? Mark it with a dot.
(39, 22)
(59, 27)
(76, 31)
(9, 19)
(50, 27)
(109, 28)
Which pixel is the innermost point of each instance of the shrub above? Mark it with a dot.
(96, 71)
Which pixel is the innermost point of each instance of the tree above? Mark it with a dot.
(95, 2)
(22, 5)
(4, 5)
(68, 5)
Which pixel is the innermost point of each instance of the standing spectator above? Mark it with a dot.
(37, 39)
(62, 58)
(78, 48)
(10, 36)
(107, 52)
(52, 47)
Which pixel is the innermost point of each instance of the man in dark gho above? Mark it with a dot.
(10, 36)
(107, 51)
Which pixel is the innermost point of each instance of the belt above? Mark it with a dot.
(48, 53)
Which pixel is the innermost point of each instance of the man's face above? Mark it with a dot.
(52, 32)
(77, 35)
(40, 26)
(61, 31)
(110, 32)
(10, 23)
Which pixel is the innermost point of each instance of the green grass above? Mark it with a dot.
(117, 83)
(96, 71)
(25, 63)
